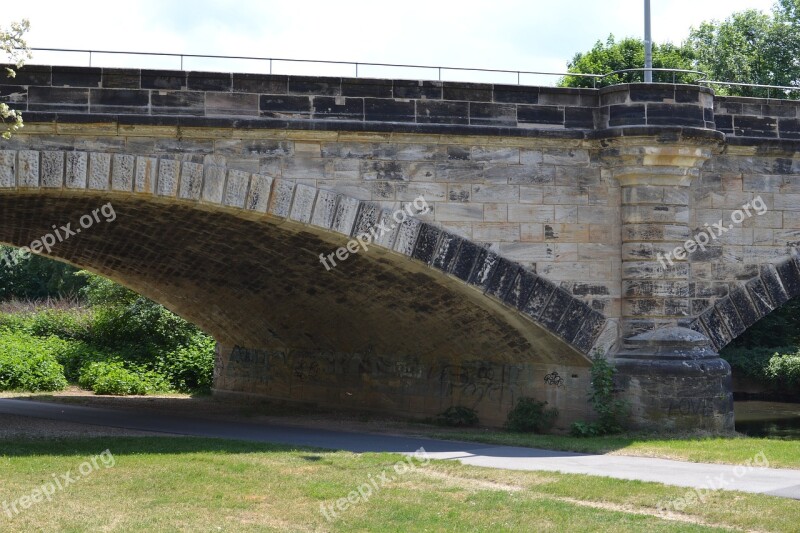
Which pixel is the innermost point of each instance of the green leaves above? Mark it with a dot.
(748, 47)
(628, 53)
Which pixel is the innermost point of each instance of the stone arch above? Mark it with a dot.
(750, 301)
(213, 205)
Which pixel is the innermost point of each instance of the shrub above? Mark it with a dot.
(113, 378)
(123, 318)
(458, 416)
(611, 412)
(78, 354)
(784, 369)
(29, 363)
(531, 416)
(752, 362)
(190, 368)
(64, 324)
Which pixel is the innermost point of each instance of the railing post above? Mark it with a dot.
(518, 83)
(440, 73)
(270, 66)
(356, 70)
(181, 61)
(90, 58)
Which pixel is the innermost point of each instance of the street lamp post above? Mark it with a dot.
(648, 45)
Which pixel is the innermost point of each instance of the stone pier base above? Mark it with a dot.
(673, 380)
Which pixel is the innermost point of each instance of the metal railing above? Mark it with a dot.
(783, 88)
(271, 61)
(674, 71)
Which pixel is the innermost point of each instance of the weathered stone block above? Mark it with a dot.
(773, 286)
(345, 216)
(484, 270)
(387, 110)
(426, 244)
(146, 174)
(236, 188)
(258, 194)
(122, 172)
(303, 204)
(555, 309)
(232, 104)
(213, 184)
(191, 181)
(593, 323)
(119, 101)
(326, 107)
(440, 112)
(540, 114)
(52, 169)
(539, 297)
(8, 165)
(469, 255)
(406, 238)
(177, 103)
(506, 273)
(167, 177)
(324, 209)
(727, 312)
(790, 277)
(28, 168)
(280, 199)
(715, 328)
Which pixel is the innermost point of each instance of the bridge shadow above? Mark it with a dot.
(200, 425)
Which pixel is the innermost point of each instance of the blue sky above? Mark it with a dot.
(539, 35)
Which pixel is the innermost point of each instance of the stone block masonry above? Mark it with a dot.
(552, 205)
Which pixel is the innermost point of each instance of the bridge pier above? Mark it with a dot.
(670, 375)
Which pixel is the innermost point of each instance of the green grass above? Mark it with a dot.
(728, 450)
(194, 484)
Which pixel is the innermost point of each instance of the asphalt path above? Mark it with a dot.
(755, 479)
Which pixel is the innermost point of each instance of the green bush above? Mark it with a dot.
(458, 416)
(78, 354)
(752, 362)
(611, 412)
(114, 378)
(63, 324)
(531, 416)
(159, 350)
(190, 368)
(785, 370)
(123, 319)
(30, 363)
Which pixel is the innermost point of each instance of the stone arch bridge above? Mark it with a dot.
(650, 224)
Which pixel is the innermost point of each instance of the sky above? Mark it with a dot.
(532, 35)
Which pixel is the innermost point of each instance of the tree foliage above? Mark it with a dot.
(751, 47)
(13, 45)
(33, 277)
(748, 47)
(613, 55)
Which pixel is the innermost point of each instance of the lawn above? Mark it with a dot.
(193, 484)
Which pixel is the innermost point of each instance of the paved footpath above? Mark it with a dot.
(773, 481)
